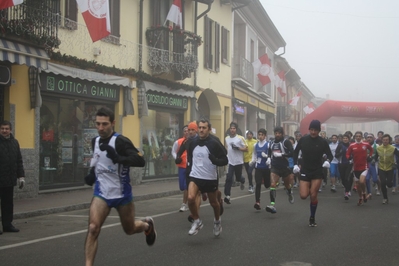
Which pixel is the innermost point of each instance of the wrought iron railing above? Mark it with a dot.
(172, 50)
(34, 21)
(243, 69)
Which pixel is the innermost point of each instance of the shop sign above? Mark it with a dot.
(166, 100)
(77, 87)
(239, 109)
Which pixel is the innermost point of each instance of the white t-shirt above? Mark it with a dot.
(235, 157)
(333, 148)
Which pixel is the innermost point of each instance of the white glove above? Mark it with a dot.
(264, 155)
(21, 182)
(251, 163)
(296, 169)
(326, 164)
(277, 154)
(268, 161)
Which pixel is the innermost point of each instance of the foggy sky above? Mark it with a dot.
(348, 49)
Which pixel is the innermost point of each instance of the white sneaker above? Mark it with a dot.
(196, 226)
(378, 193)
(251, 189)
(183, 207)
(217, 227)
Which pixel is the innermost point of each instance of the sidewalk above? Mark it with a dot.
(60, 201)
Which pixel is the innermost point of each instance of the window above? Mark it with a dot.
(114, 10)
(70, 14)
(212, 44)
(225, 46)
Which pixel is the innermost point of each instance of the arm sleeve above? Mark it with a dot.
(254, 154)
(219, 152)
(128, 154)
(330, 156)
(348, 152)
(297, 150)
(289, 151)
(174, 149)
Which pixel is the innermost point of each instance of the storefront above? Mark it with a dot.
(161, 128)
(67, 126)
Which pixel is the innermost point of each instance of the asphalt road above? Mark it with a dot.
(346, 235)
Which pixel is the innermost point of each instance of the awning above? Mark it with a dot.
(162, 88)
(88, 75)
(23, 54)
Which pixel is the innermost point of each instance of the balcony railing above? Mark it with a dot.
(244, 70)
(33, 22)
(172, 50)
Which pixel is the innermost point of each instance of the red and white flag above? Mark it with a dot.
(96, 16)
(9, 3)
(263, 69)
(280, 83)
(308, 108)
(175, 14)
(295, 99)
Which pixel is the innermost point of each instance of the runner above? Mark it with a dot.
(279, 151)
(361, 153)
(247, 159)
(334, 162)
(262, 171)
(372, 172)
(344, 165)
(204, 154)
(386, 155)
(313, 149)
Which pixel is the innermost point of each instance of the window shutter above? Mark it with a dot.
(115, 7)
(206, 42)
(71, 10)
(217, 47)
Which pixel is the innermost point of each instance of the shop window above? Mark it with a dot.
(67, 127)
(160, 131)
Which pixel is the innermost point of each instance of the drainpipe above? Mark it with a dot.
(141, 36)
(194, 102)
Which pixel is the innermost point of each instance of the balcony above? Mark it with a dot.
(172, 50)
(33, 22)
(243, 72)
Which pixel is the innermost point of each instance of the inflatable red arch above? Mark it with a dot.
(373, 110)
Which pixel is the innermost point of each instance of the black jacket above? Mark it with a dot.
(11, 166)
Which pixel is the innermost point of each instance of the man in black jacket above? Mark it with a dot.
(11, 171)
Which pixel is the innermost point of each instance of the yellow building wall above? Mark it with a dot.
(19, 95)
(131, 123)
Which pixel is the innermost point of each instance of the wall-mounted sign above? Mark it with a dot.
(239, 109)
(166, 100)
(78, 87)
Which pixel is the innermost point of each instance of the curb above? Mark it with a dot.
(86, 205)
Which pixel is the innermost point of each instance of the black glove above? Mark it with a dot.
(91, 177)
(111, 153)
(178, 160)
(234, 147)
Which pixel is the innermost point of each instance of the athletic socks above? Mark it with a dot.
(272, 194)
(313, 207)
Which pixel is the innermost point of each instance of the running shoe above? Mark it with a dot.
(183, 208)
(354, 188)
(295, 185)
(190, 218)
(257, 206)
(346, 196)
(150, 233)
(378, 193)
(290, 196)
(197, 225)
(271, 209)
(393, 190)
(242, 186)
(250, 189)
(227, 200)
(320, 189)
(360, 202)
(323, 184)
(369, 196)
(204, 196)
(349, 194)
(333, 189)
(217, 228)
(312, 222)
(385, 201)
